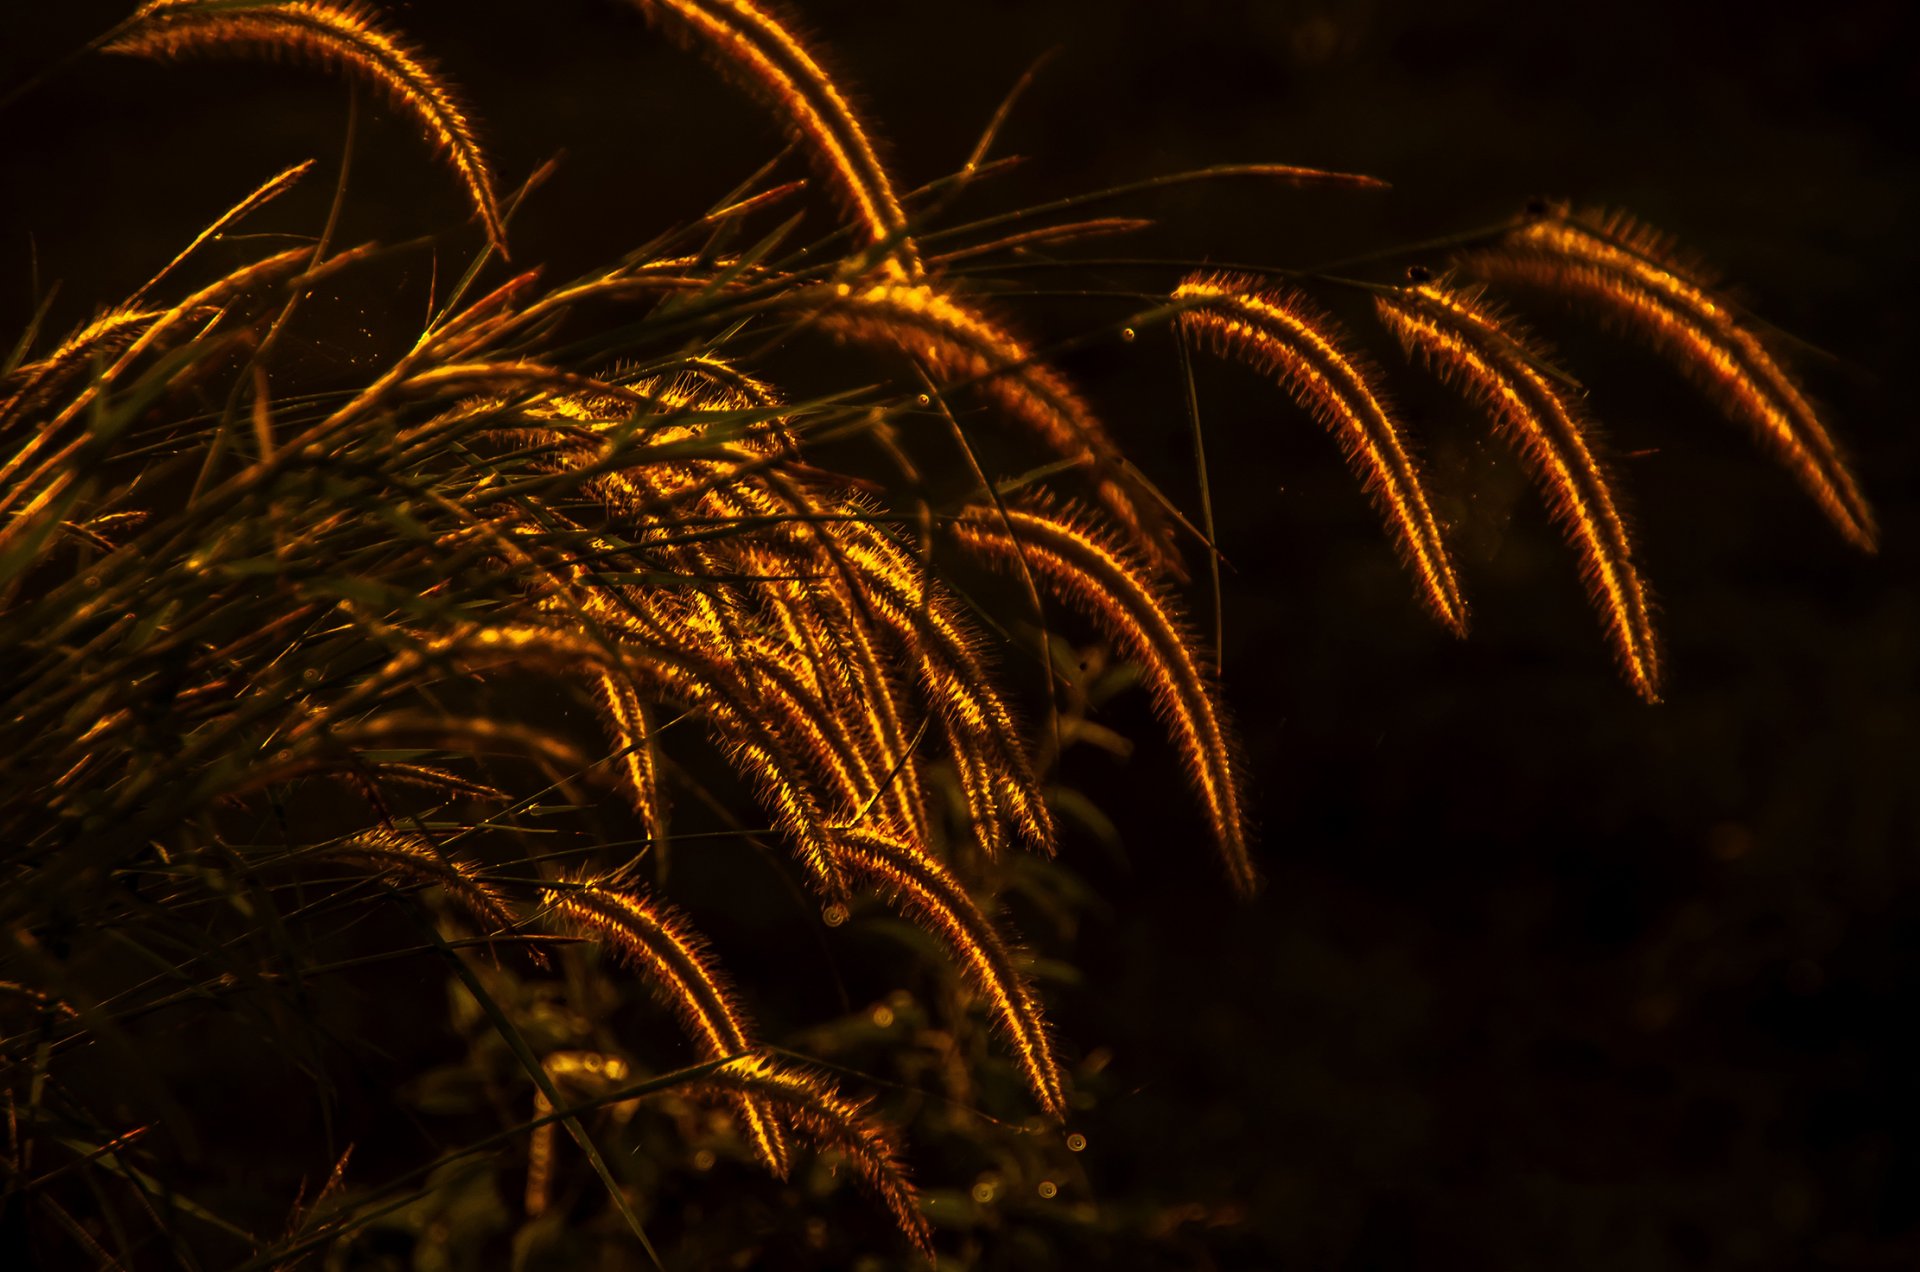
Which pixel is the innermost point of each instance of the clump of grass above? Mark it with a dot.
(272, 643)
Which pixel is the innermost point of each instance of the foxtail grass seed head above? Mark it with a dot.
(1277, 330)
(1086, 568)
(1500, 367)
(345, 35)
(290, 636)
(747, 41)
(1632, 276)
(655, 941)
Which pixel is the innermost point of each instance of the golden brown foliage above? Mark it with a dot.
(414, 858)
(928, 892)
(587, 489)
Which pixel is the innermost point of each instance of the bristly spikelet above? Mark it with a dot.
(33, 384)
(414, 858)
(813, 730)
(995, 771)
(819, 606)
(746, 39)
(929, 894)
(652, 939)
(831, 1121)
(152, 333)
(1277, 330)
(1497, 364)
(627, 719)
(957, 343)
(1097, 576)
(700, 678)
(1634, 277)
(346, 35)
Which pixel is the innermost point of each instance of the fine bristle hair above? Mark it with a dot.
(651, 938)
(1277, 330)
(1496, 363)
(1085, 567)
(927, 892)
(37, 381)
(412, 857)
(700, 680)
(831, 1121)
(956, 343)
(366, 607)
(747, 40)
(346, 35)
(628, 720)
(1631, 275)
(996, 772)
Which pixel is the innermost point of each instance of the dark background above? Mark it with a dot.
(1542, 977)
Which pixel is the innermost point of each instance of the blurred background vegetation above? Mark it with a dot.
(1541, 977)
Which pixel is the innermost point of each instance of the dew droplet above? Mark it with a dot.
(1076, 1142)
(883, 1016)
(834, 914)
(1127, 334)
(1048, 1190)
(924, 400)
(703, 1160)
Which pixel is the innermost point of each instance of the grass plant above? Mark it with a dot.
(311, 674)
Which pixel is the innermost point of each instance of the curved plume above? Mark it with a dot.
(831, 1121)
(1098, 577)
(1279, 331)
(652, 939)
(412, 857)
(826, 617)
(993, 763)
(627, 719)
(746, 39)
(344, 35)
(32, 384)
(698, 678)
(929, 893)
(815, 663)
(1496, 363)
(956, 342)
(1635, 276)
